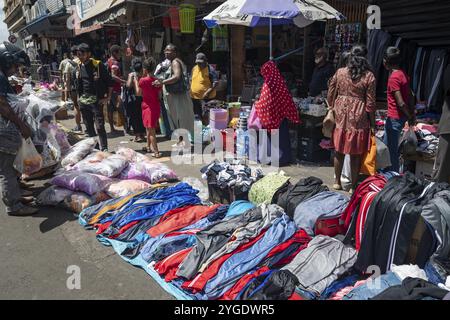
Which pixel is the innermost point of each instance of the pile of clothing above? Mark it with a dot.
(89, 176)
(231, 176)
(428, 142)
(270, 248)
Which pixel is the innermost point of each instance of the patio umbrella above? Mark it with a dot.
(253, 13)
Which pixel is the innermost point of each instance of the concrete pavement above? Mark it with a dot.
(36, 252)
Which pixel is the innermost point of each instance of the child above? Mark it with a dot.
(151, 109)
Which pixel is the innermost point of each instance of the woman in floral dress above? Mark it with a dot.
(352, 97)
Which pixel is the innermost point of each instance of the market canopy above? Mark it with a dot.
(253, 13)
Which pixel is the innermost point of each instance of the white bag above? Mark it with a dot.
(28, 160)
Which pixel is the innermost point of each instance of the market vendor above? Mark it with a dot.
(12, 129)
(322, 73)
(441, 167)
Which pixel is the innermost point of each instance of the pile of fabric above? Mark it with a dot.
(89, 176)
(233, 180)
(278, 246)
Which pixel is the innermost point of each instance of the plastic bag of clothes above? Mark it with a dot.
(126, 187)
(78, 201)
(51, 154)
(131, 155)
(110, 167)
(60, 137)
(78, 152)
(53, 196)
(409, 143)
(28, 160)
(93, 158)
(82, 181)
(149, 172)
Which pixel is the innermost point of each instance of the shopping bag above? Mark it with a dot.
(383, 158)
(28, 160)
(118, 118)
(368, 166)
(253, 120)
(408, 145)
(328, 124)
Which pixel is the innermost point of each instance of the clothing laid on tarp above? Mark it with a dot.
(296, 194)
(326, 204)
(321, 263)
(264, 190)
(412, 289)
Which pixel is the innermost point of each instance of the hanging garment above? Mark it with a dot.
(434, 78)
(321, 263)
(239, 264)
(326, 204)
(215, 241)
(377, 43)
(302, 191)
(412, 289)
(273, 285)
(265, 189)
(275, 103)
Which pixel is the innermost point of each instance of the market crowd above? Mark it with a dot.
(157, 90)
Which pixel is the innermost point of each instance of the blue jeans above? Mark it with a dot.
(366, 291)
(393, 131)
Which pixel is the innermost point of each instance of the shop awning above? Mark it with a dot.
(41, 24)
(101, 13)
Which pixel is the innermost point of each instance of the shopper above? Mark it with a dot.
(176, 90)
(133, 101)
(398, 97)
(114, 68)
(12, 129)
(352, 98)
(68, 68)
(165, 122)
(322, 73)
(442, 165)
(94, 91)
(203, 84)
(151, 109)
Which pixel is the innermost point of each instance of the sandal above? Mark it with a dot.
(157, 155)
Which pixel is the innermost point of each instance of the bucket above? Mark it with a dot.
(187, 18)
(174, 18)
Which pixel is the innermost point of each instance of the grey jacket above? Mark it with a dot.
(437, 213)
(321, 263)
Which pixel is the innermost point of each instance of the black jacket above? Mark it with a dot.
(98, 88)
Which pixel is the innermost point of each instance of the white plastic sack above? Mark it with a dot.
(110, 167)
(131, 155)
(82, 181)
(198, 185)
(28, 160)
(94, 158)
(78, 152)
(126, 187)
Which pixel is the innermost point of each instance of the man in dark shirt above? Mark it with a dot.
(94, 90)
(442, 164)
(12, 129)
(323, 71)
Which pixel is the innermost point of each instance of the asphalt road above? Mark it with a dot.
(37, 253)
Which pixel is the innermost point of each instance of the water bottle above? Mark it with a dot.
(198, 130)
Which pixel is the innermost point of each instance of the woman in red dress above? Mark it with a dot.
(352, 97)
(151, 109)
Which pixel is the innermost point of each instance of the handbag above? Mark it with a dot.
(369, 162)
(181, 85)
(329, 123)
(253, 120)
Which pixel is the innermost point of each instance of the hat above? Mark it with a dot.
(84, 47)
(201, 58)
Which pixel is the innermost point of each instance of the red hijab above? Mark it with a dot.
(275, 103)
